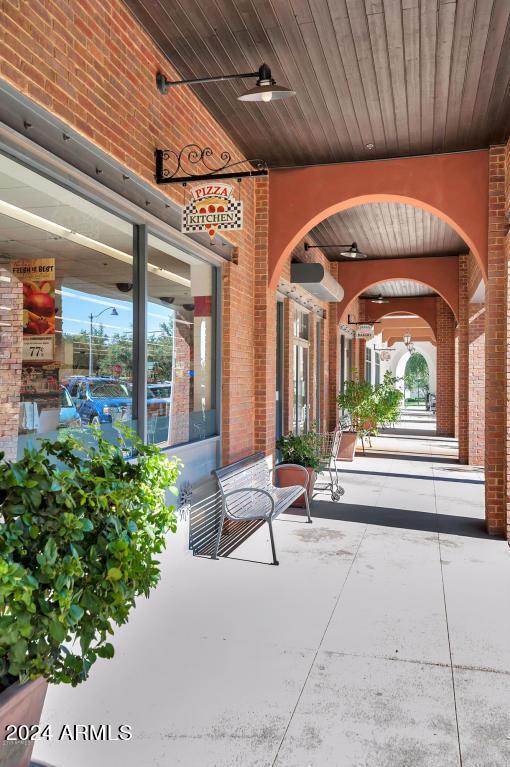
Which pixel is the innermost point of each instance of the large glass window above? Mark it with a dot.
(301, 353)
(180, 337)
(368, 364)
(66, 322)
(377, 368)
(67, 278)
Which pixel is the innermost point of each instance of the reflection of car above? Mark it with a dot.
(47, 411)
(101, 400)
(161, 390)
(69, 416)
(159, 405)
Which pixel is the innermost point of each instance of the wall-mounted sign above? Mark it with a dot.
(212, 208)
(38, 278)
(365, 331)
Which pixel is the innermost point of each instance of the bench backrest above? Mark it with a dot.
(251, 471)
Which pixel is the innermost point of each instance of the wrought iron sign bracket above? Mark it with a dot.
(191, 159)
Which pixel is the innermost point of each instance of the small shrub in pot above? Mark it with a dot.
(80, 531)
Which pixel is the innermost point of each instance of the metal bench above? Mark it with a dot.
(248, 493)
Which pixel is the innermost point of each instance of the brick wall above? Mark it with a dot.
(496, 354)
(445, 402)
(461, 366)
(91, 64)
(265, 328)
(11, 314)
(476, 371)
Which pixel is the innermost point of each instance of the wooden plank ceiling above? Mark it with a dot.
(398, 289)
(406, 76)
(389, 229)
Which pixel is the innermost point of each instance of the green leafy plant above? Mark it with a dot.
(388, 400)
(371, 407)
(357, 400)
(80, 530)
(302, 449)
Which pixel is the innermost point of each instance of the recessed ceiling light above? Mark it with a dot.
(370, 146)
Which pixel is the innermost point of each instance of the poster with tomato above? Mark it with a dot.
(38, 278)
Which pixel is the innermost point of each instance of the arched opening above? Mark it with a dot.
(452, 188)
(416, 382)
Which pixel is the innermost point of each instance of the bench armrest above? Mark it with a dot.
(294, 466)
(257, 490)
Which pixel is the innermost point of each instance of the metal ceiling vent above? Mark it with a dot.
(317, 280)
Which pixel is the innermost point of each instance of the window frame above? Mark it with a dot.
(70, 178)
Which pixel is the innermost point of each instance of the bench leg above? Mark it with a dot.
(307, 502)
(218, 537)
(275, 561)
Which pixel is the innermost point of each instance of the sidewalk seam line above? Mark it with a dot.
(273, 763)
(448, 629)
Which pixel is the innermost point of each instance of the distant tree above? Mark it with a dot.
(416, 375)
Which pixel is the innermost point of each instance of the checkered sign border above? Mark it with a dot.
(236, 206)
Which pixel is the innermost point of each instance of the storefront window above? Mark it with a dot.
(368, 364)
(67, 322)
(301, 352)
(180, 337)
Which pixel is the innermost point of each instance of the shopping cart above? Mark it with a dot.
(328, 444)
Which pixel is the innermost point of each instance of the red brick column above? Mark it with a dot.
(11, 315)
(333, 384)
(462, 363)
(476, 372)
(496, 354)
(288, 365)
(445, 389)
(324, 381)
(264, 329)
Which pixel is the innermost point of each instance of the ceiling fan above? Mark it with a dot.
(379, 299)
(347, 251)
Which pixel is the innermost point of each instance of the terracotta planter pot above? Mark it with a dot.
(288, 476)
(347, 447)
(20, 704)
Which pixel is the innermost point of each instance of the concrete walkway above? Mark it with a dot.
(381, 640)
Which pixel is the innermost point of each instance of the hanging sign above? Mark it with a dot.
(38, 278)
(212, 208)
(385, 356)
(347, 331)
(365, 331)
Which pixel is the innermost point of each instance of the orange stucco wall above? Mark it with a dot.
(440, 274)
(451, 186)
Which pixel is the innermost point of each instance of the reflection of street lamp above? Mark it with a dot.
(92, 317)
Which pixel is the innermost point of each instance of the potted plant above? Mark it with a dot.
(356, 400)
(300, 449)
(80, 530)
(370, 408)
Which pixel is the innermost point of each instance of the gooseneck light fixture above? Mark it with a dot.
(265, 89)
(347, 251)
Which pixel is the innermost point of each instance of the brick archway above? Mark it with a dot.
(438, 274)
(453, 187)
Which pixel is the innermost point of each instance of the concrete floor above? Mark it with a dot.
(381, 640)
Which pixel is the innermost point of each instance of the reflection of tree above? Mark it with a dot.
(117, 349)
(417, 374)
(160, 349)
